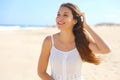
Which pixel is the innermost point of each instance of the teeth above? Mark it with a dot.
(60, 22)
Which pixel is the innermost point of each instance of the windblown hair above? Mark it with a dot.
(81, 39)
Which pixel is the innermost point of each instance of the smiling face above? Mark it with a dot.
(64, 19)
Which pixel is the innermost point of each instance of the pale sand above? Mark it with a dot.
(20, 50)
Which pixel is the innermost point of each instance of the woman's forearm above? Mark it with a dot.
(101, 44)
(45, 76)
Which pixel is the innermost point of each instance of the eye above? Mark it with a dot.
(58, 15)
(65, 15)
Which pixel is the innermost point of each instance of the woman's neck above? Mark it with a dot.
(66, 36)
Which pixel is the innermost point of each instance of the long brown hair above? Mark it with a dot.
(81, 40)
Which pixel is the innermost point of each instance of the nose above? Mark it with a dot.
(60, 18)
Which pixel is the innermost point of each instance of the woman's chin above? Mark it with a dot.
(60, 26)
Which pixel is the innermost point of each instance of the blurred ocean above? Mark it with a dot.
(9, 27)
(27, 27)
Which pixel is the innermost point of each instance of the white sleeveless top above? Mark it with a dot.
(65, 65)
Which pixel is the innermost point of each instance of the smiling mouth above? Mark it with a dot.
(60, 23)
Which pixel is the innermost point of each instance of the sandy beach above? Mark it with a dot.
(20, 51)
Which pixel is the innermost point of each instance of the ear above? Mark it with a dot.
(74, 21)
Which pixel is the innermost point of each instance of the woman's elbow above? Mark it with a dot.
(109, 49)
(106, 50)
(40, 74)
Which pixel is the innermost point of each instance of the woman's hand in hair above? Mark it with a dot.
(83, 18)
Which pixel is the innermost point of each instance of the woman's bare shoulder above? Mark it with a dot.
(46, 46)
(47, 40)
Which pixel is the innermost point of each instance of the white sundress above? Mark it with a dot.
(65, 65)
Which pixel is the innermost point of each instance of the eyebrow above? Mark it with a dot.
(64, 12)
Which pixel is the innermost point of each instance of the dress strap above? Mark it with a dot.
(52, 39)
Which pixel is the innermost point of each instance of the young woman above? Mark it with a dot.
(75, 43)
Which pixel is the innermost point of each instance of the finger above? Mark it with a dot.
(82, 19)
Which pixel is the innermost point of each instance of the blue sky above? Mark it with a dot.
(43, 12)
